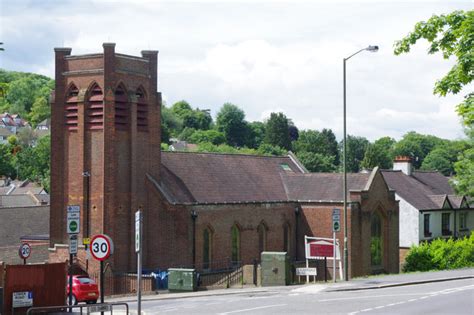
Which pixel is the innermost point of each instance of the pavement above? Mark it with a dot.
(366, 283)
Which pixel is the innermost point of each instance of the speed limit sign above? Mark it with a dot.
(101, 247)
(24, 251)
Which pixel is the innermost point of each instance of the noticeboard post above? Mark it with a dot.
(322, 248)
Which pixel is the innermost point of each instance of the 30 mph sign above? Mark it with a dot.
(101, 247)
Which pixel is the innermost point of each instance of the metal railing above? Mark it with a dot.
(66, 309)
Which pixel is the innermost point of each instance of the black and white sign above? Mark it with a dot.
(73, 219)
(24, 251)
(101, 247)
(22, 299)
(73, 244)
(306, 272)
(138, 218)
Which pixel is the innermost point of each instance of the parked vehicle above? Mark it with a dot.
(84, 289)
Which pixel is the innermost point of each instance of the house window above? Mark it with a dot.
(376, 240)
(207, 248)
(235, 232)
(426, 225)
(286, 238)
(445, 224)
(463, 221)
(262, 237)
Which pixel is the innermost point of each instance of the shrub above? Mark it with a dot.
(441, 254)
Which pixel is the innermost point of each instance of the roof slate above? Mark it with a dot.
(322, 186)
(223, 178)
(233, 178)
(423, 190)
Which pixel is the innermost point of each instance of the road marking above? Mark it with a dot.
(370, 297)
(169, 310)
(252, 309)
(293, 294)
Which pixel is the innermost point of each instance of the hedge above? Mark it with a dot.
(441, 254)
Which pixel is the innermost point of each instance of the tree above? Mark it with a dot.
(256, 134)
(171, 121)
(356, 147)
(416, 146)
(39, 111)
(276, 131)
(443, 157)
(452, 35)
(379, 154)
(268, 149)
(231, 121)
(212, 136)
(181, 108)
(316, 162)
(464, 178)
(6, 167)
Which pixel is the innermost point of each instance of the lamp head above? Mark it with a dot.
(372, 48)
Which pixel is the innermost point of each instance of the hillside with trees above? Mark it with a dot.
(230, 132)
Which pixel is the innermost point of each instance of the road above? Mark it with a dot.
(450, 297)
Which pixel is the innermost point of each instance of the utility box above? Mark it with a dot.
(182, 280)
(275, 268)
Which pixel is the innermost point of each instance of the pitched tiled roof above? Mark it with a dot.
(16, 222)
(456, 201)
(223, 178)
(423, 190)
(232, 178)
(322, 186)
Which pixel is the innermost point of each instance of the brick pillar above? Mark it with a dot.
(58, 220)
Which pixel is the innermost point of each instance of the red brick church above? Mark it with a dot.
(200, 209)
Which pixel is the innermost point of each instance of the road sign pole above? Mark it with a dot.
(70, 281)
(138, 249)
(334, 257)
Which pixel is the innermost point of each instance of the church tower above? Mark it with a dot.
(105, 140)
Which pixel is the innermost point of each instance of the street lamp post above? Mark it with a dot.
(344, 159)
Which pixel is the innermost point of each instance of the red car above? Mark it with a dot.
(84, 289)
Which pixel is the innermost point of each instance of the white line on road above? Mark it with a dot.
(370, 297)
(252, 309)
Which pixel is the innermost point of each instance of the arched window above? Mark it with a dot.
(122, 109)
(71, 108)
(376, 242)
(286, 237)
(95, 108)
(142, 110)
(235, 235)
(207, 248)
(262, 237)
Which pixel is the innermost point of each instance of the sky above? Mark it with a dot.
(263, 56)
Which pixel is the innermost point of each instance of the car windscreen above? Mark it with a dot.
(85, 280)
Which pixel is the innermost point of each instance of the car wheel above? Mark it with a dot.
(74, 300)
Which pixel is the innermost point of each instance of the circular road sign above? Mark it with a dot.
(24, 251)
(101, 247)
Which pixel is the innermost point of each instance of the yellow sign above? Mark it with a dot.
(86, 241)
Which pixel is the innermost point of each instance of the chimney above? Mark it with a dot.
(403, 163)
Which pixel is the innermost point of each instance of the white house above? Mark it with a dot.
(429, 208)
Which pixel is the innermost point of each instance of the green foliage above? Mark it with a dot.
(39, 111)
(277, 132)
(256, 134)
(449, 34)
(186, 134)
(196, 119)
(171, 122)
(33, 163)
(6, 167)
(379, 154)
(464, 178)
(12, 140)
(231, 122)
(416, 146)
(441, 254)
(316, 162)
(376, 250)
(211, 136)
(356, 147)
(20, 91)
(268, 149)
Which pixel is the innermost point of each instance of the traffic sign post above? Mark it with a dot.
(73, 244)
(336, 227)
(138, 250)
(102, 247)
(24, 252)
